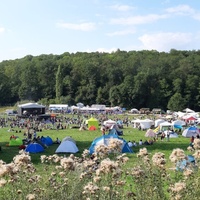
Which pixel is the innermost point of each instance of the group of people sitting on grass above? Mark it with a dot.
(146, 142)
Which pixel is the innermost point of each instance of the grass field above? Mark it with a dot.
(84, 140)
(114, 176)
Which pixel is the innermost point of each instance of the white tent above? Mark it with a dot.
(31, 105)
(68, 138)
(188, 110)
(171, 135)
(179, 122)
(158, 122)
(109, 123)
(146, 124)
(165, 126)
(67, 147)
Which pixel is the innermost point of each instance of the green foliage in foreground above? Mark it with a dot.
(145, 174)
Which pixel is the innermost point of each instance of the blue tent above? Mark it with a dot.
(105, 141)
(185, 163)
(46, 140)
(34, 148)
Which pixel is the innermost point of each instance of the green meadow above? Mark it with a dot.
(146, 174)
(84, 139)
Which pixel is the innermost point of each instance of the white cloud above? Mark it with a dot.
(124, 32)
(181, 10)
(2, 29)
(138, 19)
(123, 8)
(79, 27)
(196, 16)
(166, 41)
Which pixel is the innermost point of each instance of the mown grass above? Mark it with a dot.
(84, 140)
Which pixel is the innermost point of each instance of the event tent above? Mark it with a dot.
(104, 140)
(146, 124)
(165, 126)
(93, 122)
(67, 146)
(31, 109)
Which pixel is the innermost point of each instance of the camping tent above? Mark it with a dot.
(104, 140)
(114, 129)
(34, 148)
(15, 142)
(92, 128)
(171, 134)
(46, 140)
(69, 138)
(109, 123)
(93, 122)
(191, 131)
(67, 146)
(150, 133)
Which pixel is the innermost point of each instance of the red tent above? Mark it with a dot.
(92, 128)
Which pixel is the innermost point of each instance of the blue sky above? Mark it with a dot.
(34, 27)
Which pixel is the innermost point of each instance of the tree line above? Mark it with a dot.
(133, 79)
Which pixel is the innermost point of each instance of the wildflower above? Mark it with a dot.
(43, 158)
(53, 174)
(143, 152)
(137, 172)
(30, 197)
(197, 154)
(90, 188)
(177, 155)
(2, 182)
(3, 170)
(67, 163)
(106, 189)
(115, 145)
(62, 174)
(96, 178)
(178, 187)
(85, 153)
(107, 166)
(19, 191)
(159, 159)
(102, 150)
(187, 172)
(190, 148)
(196, 143)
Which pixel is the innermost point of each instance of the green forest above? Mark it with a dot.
(133, 79)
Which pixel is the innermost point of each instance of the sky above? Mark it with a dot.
(35, 27)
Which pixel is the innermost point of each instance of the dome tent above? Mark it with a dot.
(34, 148)
(46, 141)
(67, 146)
(105, 141)
(15, 142)
(191, 131)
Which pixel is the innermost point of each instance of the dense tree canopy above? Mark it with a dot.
(129, 79)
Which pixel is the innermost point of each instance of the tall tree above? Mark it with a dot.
(59, 84)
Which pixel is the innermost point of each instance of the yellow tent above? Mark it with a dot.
(93, 122)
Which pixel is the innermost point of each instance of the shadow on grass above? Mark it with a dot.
(7, 153)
